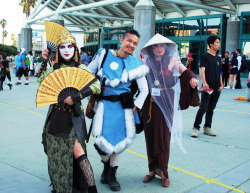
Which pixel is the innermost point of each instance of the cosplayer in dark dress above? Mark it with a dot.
(65, 129)
(161, 110)
(5, 72)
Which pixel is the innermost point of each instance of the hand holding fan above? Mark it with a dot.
(62, 83)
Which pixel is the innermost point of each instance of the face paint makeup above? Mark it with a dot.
(67, 51)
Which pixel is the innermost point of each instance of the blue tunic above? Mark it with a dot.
(113, 126)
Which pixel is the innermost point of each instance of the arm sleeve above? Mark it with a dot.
(45, 74)
(93, 65)
(96, 86)
(203, 61)
(143, 89)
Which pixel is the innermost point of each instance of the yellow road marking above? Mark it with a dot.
(232, 111)
(23, 109)
(207, 180)
(229, 111)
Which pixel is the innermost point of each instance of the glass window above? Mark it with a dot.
(246, 25)
(191, 27)
(184, 52)
(246, 50)
(213, 26)
(161, 28)
(39, 41)
(156, 28)
(171, 29)
(181, 28)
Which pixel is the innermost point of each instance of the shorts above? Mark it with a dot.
(21, 72)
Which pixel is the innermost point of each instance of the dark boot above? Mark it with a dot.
(10, 85)
(92, 189)
(113, 183)
(105, 172)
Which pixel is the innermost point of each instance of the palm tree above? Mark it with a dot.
(26, 4)
(13, 38)
(3, 23)
(5, 33)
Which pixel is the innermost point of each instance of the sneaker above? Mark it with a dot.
(227, 87)
(233, 87)
(194, 132)
(18, 83)
(26, 83)
(208, 131)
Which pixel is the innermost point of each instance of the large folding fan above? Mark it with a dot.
(61, 83)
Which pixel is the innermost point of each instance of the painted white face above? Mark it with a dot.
(67, 51)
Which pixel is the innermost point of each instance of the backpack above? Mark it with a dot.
(27, 61)
(243, 66)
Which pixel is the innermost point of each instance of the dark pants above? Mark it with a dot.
(3, 79)
(225, 78)
(208, 104)
(238, 82)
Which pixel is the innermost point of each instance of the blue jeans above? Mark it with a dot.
(208, 104)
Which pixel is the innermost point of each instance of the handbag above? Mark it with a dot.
(90, 107)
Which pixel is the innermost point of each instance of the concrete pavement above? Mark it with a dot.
(213, 164)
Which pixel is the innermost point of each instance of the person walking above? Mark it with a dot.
(233, 70)
(239, 59)
(31, 66)
(210, 67)
(23, 69)
(17, 62)
(161, 56)
(114, 123)
(225, 69)
(5, 72)
(35, 66)
(65, 128)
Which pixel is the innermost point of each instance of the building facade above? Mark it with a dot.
(190, 33)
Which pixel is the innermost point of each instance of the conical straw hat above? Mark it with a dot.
(158, 39)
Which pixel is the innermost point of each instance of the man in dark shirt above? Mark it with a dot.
(210, 66)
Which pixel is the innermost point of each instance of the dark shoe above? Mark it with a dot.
(105, 172)
(18, 83)
(148, 178)
(26, 83)
(10, 85)
(92, 189)
(113, 183)
(165, 182)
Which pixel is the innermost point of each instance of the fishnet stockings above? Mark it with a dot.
(87, 171)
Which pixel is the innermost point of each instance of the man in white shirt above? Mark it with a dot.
(239, 58)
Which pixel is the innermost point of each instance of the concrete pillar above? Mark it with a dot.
(59, 21)
(144, 23)
(18, 42)
(232, 37)
(26, 38)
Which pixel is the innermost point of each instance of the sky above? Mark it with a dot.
(12, 12)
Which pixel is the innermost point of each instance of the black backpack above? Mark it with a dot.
(243, 66)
